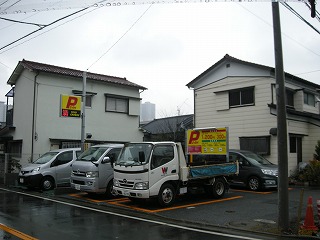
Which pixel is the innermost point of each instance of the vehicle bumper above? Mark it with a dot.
(85, 184)
(270, 182)
(132, 193)
(30, 181)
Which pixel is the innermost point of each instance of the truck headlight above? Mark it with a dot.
(141, 186)
(270, 172)
(92, 174)
(36, 169)
(116, 183)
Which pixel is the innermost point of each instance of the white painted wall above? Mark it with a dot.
(104, 126)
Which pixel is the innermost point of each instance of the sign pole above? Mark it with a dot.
(83, 115)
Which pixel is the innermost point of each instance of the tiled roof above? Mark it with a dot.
(228, 58)
(169, 124)
(35, 66)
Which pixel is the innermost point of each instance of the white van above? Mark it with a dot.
(92, 172)
(51, 170)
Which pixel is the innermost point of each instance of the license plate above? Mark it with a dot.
(126, 194)
(77, 186)
(21, 180)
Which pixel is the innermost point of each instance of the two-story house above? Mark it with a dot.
(38, 123)
(242, 96)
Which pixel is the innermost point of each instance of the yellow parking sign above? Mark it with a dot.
(70, 106)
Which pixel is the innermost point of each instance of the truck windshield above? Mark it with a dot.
(92, 154)
(45, 157)
(134, 154)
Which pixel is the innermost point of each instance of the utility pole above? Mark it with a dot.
(83, 114)
(283, 199)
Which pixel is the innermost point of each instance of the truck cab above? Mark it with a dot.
(142, 169)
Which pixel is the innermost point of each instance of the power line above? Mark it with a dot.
(47, 25)
(299, 16)
(120, 37)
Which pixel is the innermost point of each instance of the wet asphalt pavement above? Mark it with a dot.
(239, 210)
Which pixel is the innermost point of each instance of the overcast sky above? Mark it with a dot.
(162, 46)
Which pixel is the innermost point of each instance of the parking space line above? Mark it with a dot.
(176, 207)
(238, 190)
(16, 233)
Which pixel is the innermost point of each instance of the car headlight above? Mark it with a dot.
(141, 186)
(92, 174)
(116, 183)
(36, 169)
(270, 172)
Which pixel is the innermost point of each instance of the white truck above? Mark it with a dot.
(160, 170)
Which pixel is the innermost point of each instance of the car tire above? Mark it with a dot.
(110, 193)
(47, 183)
(254, 183)
(166, 195)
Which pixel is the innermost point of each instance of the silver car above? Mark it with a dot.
(51, 170)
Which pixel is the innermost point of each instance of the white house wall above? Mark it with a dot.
(104, 126)
(212, 109)
(22, 112)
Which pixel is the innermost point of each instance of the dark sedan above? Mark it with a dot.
(255, 172)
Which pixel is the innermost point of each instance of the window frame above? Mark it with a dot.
(256, 144)
(119, 98)
(307, 99)
(240, 91)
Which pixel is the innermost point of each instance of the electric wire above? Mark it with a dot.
(125, 33)
(299, 16)
(47, 25)
(16, 21)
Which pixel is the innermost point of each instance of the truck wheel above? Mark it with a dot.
(254, 183)
(110, 193)
(47, 183)
(166, 195)
(218, 188)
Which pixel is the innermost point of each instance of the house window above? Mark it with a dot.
(241, 97)
(260, 145)
(89, 101)
(117, 104)
(309, 99)
(89, 96)
(289, 98)
(16, 148)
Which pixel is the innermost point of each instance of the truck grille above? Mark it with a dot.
(79, 173)
(126, 184)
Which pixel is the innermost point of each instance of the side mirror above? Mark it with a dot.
(105, 160)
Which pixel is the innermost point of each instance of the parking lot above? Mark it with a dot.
(190, 201)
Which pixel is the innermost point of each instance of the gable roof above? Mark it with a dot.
(169, 124)
(41, 67)
(227, 58)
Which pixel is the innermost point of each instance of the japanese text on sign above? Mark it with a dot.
(70, 106)
(207, 141)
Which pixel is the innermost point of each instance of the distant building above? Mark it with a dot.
(148, 112)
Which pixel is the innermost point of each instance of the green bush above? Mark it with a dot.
(317, 150)
(311, 173)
